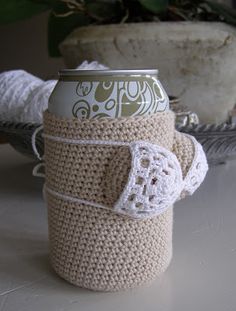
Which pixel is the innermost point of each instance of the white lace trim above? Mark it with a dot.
(154, 183)
(155, 179)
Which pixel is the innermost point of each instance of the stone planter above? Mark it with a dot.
(196, 60)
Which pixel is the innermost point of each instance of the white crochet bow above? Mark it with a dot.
(154, 183)
(155, 179)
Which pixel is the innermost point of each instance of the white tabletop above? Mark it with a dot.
(202, 274)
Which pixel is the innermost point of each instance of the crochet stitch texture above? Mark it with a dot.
(95, 248)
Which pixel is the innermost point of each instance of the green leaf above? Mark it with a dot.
(14, 10)
(155, 6)
(103, 10)
(60, 27)
(223, 10)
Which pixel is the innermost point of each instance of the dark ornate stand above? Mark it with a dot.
(219, 141)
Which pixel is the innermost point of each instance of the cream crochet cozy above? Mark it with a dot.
(134, 169)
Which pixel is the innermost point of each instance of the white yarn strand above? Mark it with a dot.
(86, 142)
(36, 169)
(161, 165)
(156, 199)
(73, 199)
(33, 142)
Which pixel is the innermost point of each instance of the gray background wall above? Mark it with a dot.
(24, 46)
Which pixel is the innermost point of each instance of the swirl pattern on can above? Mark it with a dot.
(109, 96)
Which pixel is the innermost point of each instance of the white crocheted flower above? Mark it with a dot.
(154, 183)
(155, 179)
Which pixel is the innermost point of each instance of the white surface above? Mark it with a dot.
(202, 274)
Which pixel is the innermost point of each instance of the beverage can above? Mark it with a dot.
(90, 94)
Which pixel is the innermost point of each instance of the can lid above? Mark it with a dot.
(121, 72)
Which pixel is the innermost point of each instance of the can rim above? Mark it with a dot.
(122, 72)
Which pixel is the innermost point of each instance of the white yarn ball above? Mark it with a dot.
(91, 66)
(37, 102)
(15, 88)
(24, 97)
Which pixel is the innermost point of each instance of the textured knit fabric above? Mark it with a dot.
(92, 247)
(184, 151)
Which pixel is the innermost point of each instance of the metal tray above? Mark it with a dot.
(219, 141)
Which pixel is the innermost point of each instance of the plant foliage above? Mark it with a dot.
(66, 15)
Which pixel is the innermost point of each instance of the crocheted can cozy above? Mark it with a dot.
(92, 247)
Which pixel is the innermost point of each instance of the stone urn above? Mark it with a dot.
(196, 60)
